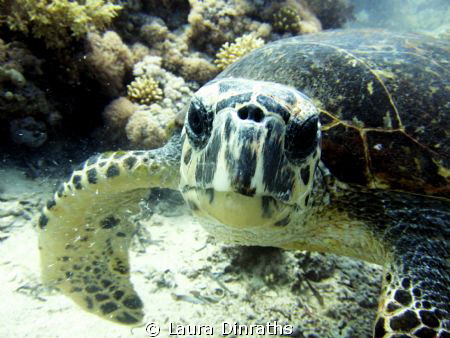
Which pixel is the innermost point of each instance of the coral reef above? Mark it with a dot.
(175, 49)
(287, 19)
(230, 53)
(146, 66)
(59, 21)
(24, 106)
(197, 69)
(144, 90)
(110, 61)
(183, 38)
(188, 50)
(151, 124)
(155, 32)
(214, 22)
(150, 127)
(116, 115)
(295, 17)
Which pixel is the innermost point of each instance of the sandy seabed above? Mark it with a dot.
(187, 281)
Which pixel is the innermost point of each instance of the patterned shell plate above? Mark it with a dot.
(384, 100)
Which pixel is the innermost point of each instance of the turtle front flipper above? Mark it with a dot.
(415, 299)
(84, 232)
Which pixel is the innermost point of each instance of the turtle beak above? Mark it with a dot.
(241, 156)
(253, 154)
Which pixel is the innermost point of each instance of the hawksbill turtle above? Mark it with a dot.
(333, 142)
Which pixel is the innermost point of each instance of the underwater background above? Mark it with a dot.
(83, 77)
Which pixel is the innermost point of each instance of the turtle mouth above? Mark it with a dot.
(242, 209)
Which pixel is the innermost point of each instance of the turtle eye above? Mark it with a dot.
(199, 123)
(301, 138)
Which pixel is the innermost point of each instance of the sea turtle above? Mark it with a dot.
(333, 142)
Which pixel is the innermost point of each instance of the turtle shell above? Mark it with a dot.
(384, 100)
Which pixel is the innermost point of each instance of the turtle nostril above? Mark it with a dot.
(258, 115)
(243, 113)
(251, 112)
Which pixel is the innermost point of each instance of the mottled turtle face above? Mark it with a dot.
(250, 152)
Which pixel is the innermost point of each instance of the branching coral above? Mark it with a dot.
(175, 91)
(230, 53)
(144, 90)
(58, 21)
(151, 125)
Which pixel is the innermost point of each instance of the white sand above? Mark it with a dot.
(183, 277)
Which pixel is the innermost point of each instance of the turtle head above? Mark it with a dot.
(250, 152)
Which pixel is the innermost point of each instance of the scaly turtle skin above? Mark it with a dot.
(365, 174)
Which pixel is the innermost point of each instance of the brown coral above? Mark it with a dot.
(287, 19)
(110, 60)
(139, 51)
(198, 69)
(295, 17)
(148, 128)
(154, 32)
(117, 113)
